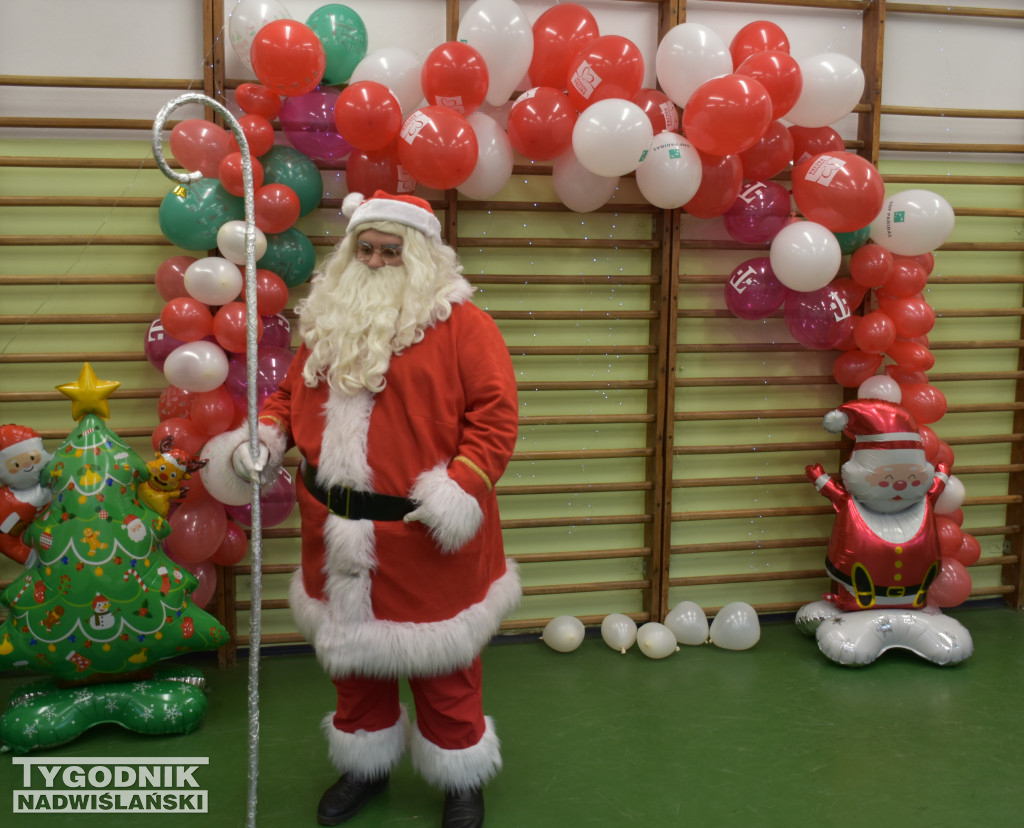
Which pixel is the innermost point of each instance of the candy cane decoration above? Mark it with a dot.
(133, 573)
(253, 327)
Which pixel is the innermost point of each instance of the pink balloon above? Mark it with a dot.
(234, 547)
(823, 318)
(760, 211)
(159, 344)
(752, 291)
(276, 503)
(206, 574)
(277, 332)
(197, 530)
(952, 586)
(170, 277)
(308, 123)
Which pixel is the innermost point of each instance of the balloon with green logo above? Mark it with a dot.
(191, 214)
(290, 255)
(343, 35)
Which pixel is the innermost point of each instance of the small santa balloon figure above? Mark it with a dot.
(22, 458)
(884, 550)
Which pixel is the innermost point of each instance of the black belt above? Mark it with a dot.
(355, 505)
(884, 591)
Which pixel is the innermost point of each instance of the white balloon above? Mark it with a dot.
(952, 497)
(913, 222)
(832, 86)
(690, 54)
(502, 33)
(398, 69)
(656, 640)
(880, 387)
(736, 627)
(688, 623)
(611, 136)
(231, 242)
(618, 631)
(563, 634)
(494, 159)
(245, 21)
(670, 174)
(577, 187)
(218, 476)
(213, 280)
(805, 256)
(197, 366)
(855, 639)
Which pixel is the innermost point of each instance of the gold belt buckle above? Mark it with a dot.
(895, 592)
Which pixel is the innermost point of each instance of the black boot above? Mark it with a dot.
(463, 809)
(346, 797)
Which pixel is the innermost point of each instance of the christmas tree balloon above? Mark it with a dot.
(99, 601)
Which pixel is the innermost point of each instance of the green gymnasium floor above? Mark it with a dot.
(773, 736)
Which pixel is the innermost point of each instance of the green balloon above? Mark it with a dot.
(290, 255)
(849, 242)
(287, 166)
(191, 215)
(343, 35)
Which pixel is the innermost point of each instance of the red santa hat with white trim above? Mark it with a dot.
(407, 210)
(15, 439)
(879, 425)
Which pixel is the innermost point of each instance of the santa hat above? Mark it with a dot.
(15, 439)
(878, 425)
(402, 209)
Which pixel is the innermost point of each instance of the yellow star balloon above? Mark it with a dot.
(89, 394)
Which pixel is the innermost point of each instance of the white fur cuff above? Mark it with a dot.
(365, 754)
(457, 770)
(452, 514)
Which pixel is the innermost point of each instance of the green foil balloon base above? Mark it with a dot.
(44, 714)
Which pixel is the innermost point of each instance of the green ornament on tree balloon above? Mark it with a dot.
(290, 255)
(191, 214)
(343, 35)
(287, 166)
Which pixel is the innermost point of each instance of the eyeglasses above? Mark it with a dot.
(389, 254)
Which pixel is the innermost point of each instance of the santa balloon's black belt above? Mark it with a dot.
(355, 505)
(885, 591)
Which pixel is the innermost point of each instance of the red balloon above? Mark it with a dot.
(271, 293)
(727, 115)
(230, 174)
(874, 333)
(871, 265)
(186, 319)
(609, 66)
(770, 155)
(851, 368)
(184, 433)
(780, 75)
(367, 171)
(558, 36)
(925, 402)
(945, 456)
(438, 147)
(259, 134)
(197, 530)
(927, 261)
(174, 402)
(233, 548)
(455, 75)
(659, 109)
(368, 115)
(213, 411)
(931, 443)
(969, 551)
(840, 191)
(904, 378)
(200, 145)
(255, 99)
(912, 317)
(952, 586)
(811, 141)
(721, 179)
(540, 123)
(950, 536)
(908, 278)
(229, 327)
(911, 356)
(759, 36)
(170, 277)
(277, 208)
(288, 57)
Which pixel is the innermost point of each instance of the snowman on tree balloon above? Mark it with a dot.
(884, 550)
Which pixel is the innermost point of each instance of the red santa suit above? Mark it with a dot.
(883, 551)
(384, 599)
(22, 497)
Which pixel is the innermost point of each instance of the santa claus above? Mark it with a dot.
(402, 404)
(22, 458)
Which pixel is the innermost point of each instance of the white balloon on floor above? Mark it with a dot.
(563, 634)
(736, 627)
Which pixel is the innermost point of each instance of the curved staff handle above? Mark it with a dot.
(252, 323)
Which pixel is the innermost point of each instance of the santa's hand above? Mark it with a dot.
(242, 462)
(814, 471)
(416, 516)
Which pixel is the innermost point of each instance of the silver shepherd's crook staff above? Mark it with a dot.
(252, 326)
